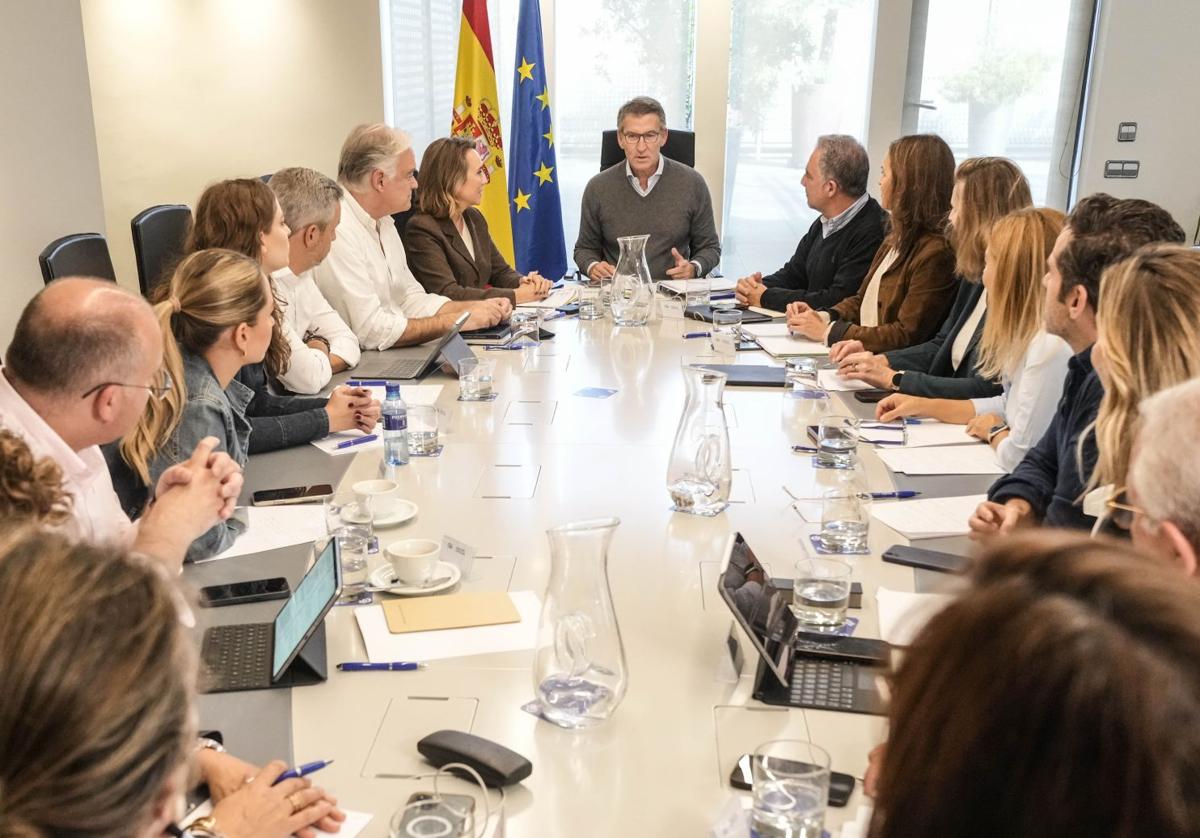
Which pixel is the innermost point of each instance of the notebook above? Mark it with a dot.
(466, 610)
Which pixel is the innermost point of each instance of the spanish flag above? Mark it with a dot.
(477, 116)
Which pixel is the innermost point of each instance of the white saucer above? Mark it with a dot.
(384, 577)
(405, 510)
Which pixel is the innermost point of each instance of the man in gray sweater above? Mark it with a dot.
(647, 194)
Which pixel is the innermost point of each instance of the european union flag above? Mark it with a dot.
(535, 204)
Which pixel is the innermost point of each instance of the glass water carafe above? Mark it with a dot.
(700, 472)
(579, 672)
(632, 290)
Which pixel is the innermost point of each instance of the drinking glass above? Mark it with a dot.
(791, 789)
(422, 430)
(475, 379)
(726, 331)
(844, 520)
(526, 328)
(820, 594)
(350, 519)
(590, 305)
(837, 442)
(799, 372)
(697, 291)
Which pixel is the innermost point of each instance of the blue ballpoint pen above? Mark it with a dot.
(302, 770)
(371, 383)
(903, 494)
(896, 424)
(806, 448)
(691, 335)
(395, 666)
(359, 441)
(554, 316)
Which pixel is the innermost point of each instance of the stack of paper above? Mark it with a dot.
(928, 518)
(903, 615)
(716, 284)
(830, 380)
(558, 297)
(778, 341)
(383, 646)
(928, 432)
(411, 393)
(954, 459)
(276, 526)
(329, 444)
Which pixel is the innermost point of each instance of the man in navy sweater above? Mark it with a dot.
(1047, 485)
(831, 260)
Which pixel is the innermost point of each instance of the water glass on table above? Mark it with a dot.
(423, 430)
(590, 306)
(791, 789)
(821, 594)
(350, 519)
(837, 442)
(799, 372)
(845, 519)
(726, 331)
(475, 379)
(698, 291)
(526, 328)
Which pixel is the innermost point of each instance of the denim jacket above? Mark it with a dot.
(209, 411)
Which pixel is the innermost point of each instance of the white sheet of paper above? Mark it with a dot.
(276, 526)
(830, 380)
(956, 459)
(411, 393)
(383, 646)
(902, 615)
(716, 284)
(928, 432)
(786, 347)
(329, 444)
(355, 822)
(767, 330)
(929, 517)
(558, 297)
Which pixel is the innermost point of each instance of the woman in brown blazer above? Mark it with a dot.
(449, 248)
(911, 283)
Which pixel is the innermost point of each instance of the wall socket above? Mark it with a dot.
(1126, 132)
(1121, 168)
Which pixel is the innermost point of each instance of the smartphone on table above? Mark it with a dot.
(239, 593)
(292, 494)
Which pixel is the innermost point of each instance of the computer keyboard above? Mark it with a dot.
(237, 657)
(823, 685)
(405, 368)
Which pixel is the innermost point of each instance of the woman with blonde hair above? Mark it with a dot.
(449, 248)
(910, 285)
(1148, 339)
(243, 215)
(1014, 348)
(217, 316)
(97, 704)
(947, 366)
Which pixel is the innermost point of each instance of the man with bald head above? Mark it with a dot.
(85, 357)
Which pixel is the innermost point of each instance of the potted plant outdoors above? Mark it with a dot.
(989, 86)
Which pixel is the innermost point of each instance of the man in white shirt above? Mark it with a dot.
(85, 357)
(366, 277)
(321, 342)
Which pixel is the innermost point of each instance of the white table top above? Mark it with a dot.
(661, 765)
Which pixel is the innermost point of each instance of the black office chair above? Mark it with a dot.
(158, 236)
(79, 254)
(680, 147)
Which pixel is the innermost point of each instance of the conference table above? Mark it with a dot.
(661, 764)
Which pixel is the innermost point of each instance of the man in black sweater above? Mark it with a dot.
(831, 260)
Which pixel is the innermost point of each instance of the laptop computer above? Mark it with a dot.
(287, 652)
(797, 669)
(705, 313)
(414, 362)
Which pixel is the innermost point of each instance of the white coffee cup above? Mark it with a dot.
(380, 495)
(413, 560)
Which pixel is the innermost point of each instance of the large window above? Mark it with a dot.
(1003, 77)
(609, 51)
(798, 69)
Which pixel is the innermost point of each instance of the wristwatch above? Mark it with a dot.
(996, 430)
(204, 743)
(896, 380)
(205, 826)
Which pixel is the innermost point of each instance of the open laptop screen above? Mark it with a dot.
(301, 614)
(762, 611)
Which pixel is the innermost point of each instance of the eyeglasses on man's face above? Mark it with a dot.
(650, 137)
(159, 391)
(1121, 512)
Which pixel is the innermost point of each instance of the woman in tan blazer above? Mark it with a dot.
(449, 248)
(911, 283)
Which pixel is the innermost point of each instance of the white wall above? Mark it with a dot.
(1146, 68)
(187, 93)
(48, 162)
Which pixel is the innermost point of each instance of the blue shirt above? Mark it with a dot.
(1050, 477)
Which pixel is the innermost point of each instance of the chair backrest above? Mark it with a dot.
(680, 147)
(159, 233)
(79, 254)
